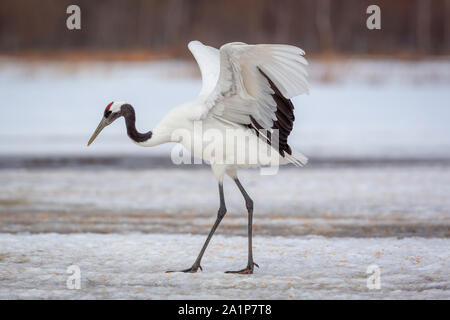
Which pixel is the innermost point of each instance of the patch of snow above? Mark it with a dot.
(53, 108)
(134, 265)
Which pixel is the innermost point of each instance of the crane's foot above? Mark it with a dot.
(192, 269)
(248, 270)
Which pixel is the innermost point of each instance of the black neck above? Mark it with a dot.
(130, 121)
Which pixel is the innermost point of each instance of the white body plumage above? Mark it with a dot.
(235, 91)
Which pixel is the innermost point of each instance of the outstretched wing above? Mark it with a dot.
(255, 84)
(208, 60)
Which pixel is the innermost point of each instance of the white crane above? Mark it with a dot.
(246, 90)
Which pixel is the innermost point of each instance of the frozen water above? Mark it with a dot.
(297, 201)
(347, 207)
(133, 266)
(382, 109)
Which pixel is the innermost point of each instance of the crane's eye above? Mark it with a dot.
(107, 113)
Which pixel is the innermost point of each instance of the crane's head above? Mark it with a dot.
(112, 112)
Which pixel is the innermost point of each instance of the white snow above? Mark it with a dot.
(134, 265)
(125, 264)
(355, 108)
(317, 229)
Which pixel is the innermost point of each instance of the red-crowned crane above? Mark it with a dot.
(246, 90)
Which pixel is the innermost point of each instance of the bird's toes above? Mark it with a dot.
(247, 270)
(192, 269)
(243, 271)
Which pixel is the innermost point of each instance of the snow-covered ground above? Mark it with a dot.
(134, 265)
(317, 228)
(357, 202)
(355, 108)
(316, 232)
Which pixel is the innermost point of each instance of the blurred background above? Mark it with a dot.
(375, 93)
(378, 97)
(410, 28)
(375, 124)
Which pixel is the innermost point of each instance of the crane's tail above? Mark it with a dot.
(296, 158)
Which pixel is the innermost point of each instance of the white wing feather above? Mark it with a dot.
(208, 60)
(242, 91)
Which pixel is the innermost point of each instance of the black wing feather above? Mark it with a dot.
(285, 118)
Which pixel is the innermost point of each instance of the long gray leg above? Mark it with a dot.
(249, 205)
(220, 214)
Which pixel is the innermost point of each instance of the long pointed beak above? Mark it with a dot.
(99, 129)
